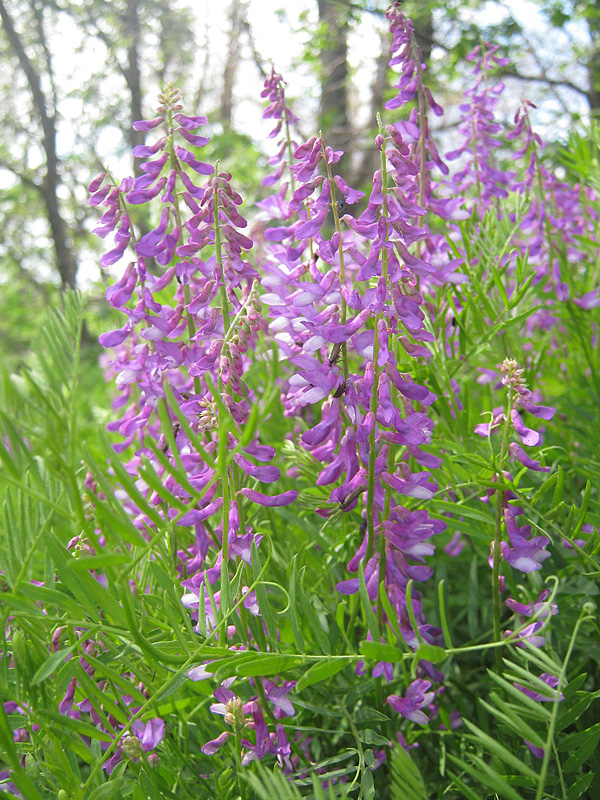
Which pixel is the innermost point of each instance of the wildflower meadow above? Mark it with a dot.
(334, 532)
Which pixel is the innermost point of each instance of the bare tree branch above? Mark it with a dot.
(65, 261)
(22, 176)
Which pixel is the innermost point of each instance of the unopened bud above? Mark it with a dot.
(132, 747)
(234, 713)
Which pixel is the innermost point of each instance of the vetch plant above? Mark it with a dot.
(333, 416)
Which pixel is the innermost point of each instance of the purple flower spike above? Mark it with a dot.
(538, 752)
(198, 166)
(151, 733)
(268, 474)
(150, 244)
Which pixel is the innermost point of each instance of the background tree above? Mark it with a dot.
(40, 131)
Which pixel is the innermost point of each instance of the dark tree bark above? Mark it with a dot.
(333, 110)
(371, 158)
(236, 24)
(131, 73)
(66, 263)
(422, 20)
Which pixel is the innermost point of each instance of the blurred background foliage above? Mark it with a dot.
(74, 74)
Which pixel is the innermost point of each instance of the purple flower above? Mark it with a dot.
(528, 634)
(147, 124)
(520, 454)
(416, 698)
(551, 681)
(539, 607)
(212, 747)
(276, 500)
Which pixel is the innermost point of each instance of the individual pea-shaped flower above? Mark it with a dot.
(415, 700)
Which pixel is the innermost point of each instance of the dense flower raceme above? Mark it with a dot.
(525, 553)
(481, 132)
(414, 94)
(177, 335)
(346, 314)
(557, 214)
(553, 230)
(186, 337)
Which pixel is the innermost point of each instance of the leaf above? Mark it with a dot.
(309, 614)
(510, 718)
(108, 790)
(320, 672)
(498, 750)
(296, 629)
(487, 776)
(580, 756)
(569, 716)
(443, 618)
(49, 666)
(364, 715)
(468, 793)
(430, 652)
(367, 606)
(10, 755)
(381, 652)
(407, 781)
(77, 725)
(269, 664)
(580, 786)
(370, 736)
(99, 561)
(262, 599)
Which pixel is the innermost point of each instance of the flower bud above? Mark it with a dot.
(132, 747)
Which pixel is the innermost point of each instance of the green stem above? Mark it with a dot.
(338, 228)
(476, 161)
(496, 574)
(288, 137)
(500, 498)
(175, 164)
(219, 257)
(561, 683)
(374, 393)
(225, 600)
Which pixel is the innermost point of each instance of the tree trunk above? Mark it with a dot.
(131, 73)
(422, 20)
(236, 18)
(333, 110)
(370, 160)
(66, 264)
